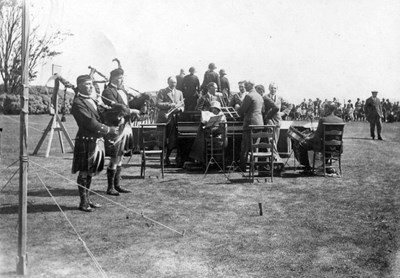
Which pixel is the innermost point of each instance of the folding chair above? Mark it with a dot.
(332, 145)
(261, 150)
(152, 145)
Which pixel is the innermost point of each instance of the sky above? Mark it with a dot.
(309, 48)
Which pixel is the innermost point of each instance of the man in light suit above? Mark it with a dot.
(251, 112)
(277, 117)
(373, 111)
(170, 98)
(204, 102)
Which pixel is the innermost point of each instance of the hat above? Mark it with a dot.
(212, 66)
(216, 104)
(83, 78)
(222, 72)
(374, 92)
(116, 72)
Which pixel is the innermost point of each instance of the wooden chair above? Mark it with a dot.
(332, 145)
(152, 145)
(261, 151)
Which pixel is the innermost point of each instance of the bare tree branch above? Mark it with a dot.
(41, 46)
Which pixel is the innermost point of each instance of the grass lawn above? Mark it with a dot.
(311, 227)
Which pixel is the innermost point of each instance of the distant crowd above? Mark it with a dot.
(347, 111)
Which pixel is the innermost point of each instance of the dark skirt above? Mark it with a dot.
(89, 155)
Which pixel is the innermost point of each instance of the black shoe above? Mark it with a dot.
(122, 190)
(112, 192)
(85, 208)
(380, 138)
(373, 138)
(330, 171)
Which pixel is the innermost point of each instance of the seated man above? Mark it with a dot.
(316, 138)
(198, 151)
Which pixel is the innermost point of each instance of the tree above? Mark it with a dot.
(41, 45)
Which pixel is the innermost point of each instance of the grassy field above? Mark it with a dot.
(311, 227)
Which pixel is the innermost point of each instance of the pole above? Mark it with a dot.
(23, 161)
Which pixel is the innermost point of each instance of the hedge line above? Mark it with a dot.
(39, 101)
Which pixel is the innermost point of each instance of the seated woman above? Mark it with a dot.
(314, 141)
(211, 121)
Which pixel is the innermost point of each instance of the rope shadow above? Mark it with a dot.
(37, 208)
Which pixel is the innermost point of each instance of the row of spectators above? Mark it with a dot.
(347, 111)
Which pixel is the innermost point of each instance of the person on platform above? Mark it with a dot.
(179, 80)
(270, 108)
(210, 76)
(237, 99)
(170, 100)
(89, 152)
(225, 87)
(252, 113)
(116, 146)
(374, 114)
(277, 118)
(314, 141)
(197, 152)
(204, 102)
(191, 90)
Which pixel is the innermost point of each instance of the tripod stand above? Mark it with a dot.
(209, 137)
(233, 166)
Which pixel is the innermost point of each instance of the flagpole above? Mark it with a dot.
(23, 160)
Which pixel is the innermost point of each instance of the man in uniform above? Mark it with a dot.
(191, 90)
(168, 100)
(373, 112)
(117, 146)
(89, 150)
(210, 76)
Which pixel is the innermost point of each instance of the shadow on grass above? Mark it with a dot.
(13, 209)
(56, 192)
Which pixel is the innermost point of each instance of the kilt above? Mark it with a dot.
(89, 155)
(117, 145)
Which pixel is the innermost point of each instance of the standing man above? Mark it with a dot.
(277, 118)
(204, 102)
(225, 87)
(117, 146)
(251, 112)
(191, 90)
(210, 76)
(170, 98)
(373, 111)
(179, 80)
(237, 99)
(89, 149)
